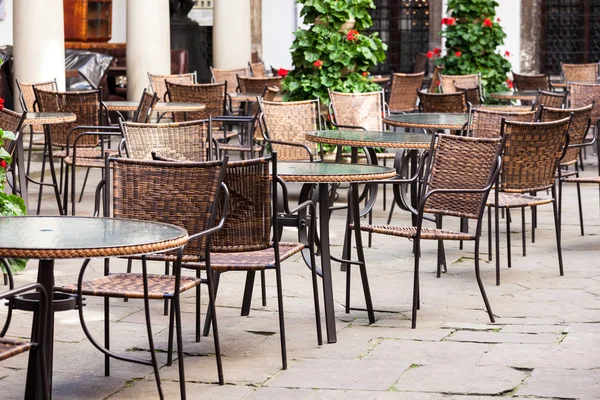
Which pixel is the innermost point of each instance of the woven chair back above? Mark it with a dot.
(27, 97)
(183, 141)
(288, 122)
(158, 83)
(460, 162)
(257, 70)
(443, 102)
(583, 94)
(258, 84)
(85, 105)
(358, 109)
(473, 92)
(581, 72)
(10, 121)
(531, 82)
(229, 76)
(403, 91)
(435, 79)
(270, 93)
(420, 64)
(577, 131)
(448, 82)
(487, 123)
(212, 95)
(551, 99)
(179, 193)
(532, 154)
(144, 110)
(248, 224)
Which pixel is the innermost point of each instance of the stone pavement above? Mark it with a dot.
(545, 343)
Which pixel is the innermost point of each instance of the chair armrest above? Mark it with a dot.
(347, 126)
(290, 144)
(97, 195)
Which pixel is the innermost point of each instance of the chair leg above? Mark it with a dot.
(441, 256)
(480, 283)
(166, 305)
(580, 208)
(149, 329)
(497, 236)
(263, 288)
(416, 295)
(40, 191)
(557, 227)
(389, 220)
(490, 233)
(198, 299)
(248, 289)
(508, 236)
(207, 322)
(523, 232)
(313, 263)
(87, 173)
(177, 312)
(212, 291)
(170, 341)
(29, 149)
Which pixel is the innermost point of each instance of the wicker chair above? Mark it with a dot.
(448, 82)
(531, 82)
(550, 99)
(580, 72)
(10, 347)
(402, 97)
(245, 244)
(27, 100)
(435, 79)
(257, 70)
(180, 193)
(362, 111)
(578, 130)
(457, 181)
(158, 83)
(473, 92)
(531, 159)
(283, 125)
(228, 75)
(257, 84)
(487, 123)
(81, 140)
(213, 95)
(443, 102)
(144, 111)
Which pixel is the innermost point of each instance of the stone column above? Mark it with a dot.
(232, 43)
(39, 42)
(148, 43)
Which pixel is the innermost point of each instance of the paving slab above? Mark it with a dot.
(500, 337)
(562, 383)
(425, 353)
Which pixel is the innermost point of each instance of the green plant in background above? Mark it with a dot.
(333, 53)
(473, 35)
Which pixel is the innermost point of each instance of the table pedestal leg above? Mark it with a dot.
(33, 389)
(326, 262)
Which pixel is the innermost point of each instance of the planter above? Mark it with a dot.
(346, 26)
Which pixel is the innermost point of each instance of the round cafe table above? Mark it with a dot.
(244, 97)
(76, 237)
(161, 106)
(526, 95)
(431, 121)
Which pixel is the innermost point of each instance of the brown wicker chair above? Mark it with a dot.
(550, 99)
(158, 83)
(213, 95)
(487, 123)
(257, 84)
(402, 97)
(228, 75)
(283, 125)
(443, 102)
(27, 100)
(362, 111)
(473, 93)
(449, 82)
(10, 347)
(578, 130)
(531, 159)
(434, 84)
(531, 82)
(257, 70)
(580, 72)
(245, 244)
(184, 194)
(144, 111)
(11, 121)
(458, 177)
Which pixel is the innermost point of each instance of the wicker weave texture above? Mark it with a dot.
(86, 105)
(580, 72)
(158, 83)
(11, 347)
(257, 70)
(184, 141)
(461, 163)
(583, 94)
(179, 193)
(210, 94)
(551, 99)
(248, 223)
(473, 92)
(10, 121)
(410, 232)
(144, 110)
(358, 109)
(487, 123)
(443, 102)
(435, 79)
(532, 154)
(257, 84)
(448, 82)
(289, 122)
(28, 95)
(531, 82)
(229, 76)
(577, 131)
(403, 92)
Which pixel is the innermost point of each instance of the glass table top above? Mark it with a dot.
(160, 106)
(430, 118)
(66, 233)
(376, 137)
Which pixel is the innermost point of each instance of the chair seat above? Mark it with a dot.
(131, 286)
(11, 347)
(238, 147)
(584, 179)
(411, 231)
(86, 162)
(517, 200)
(86, 152)
(38, 142)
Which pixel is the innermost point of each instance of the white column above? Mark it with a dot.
(232, 42)
(148, 43)
(39, 42)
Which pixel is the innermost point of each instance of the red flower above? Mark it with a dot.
(318, 64)
(282, 72)
(430, 54)
(458, 54)
(507, 53)
(498, 20)
(437, 51)
(509, 83)
(3, 164)
(1, 103)
(487, 23)
(365, 74)
(444, 21)
(451, 21)
(352, 35)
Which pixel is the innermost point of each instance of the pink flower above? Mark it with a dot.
(437, 51)
(458, 54)
(318, 64)
(282, 72)
(365, 74)
(488, 23)
(507, 53)
(444, 21)
(3, 164)
(509, 83)
(352, 35)
(451, 21)
(430, 54)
